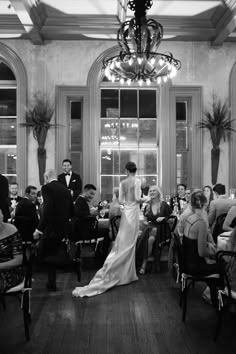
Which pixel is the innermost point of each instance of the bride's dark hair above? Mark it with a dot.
(131, 167)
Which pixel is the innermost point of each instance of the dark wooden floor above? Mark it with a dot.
(142, 317)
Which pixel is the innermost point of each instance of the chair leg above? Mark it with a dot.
(185, 295)
(219, 324)
(26, 312)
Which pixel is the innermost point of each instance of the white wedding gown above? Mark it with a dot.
(119, 267)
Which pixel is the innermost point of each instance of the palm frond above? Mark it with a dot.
(217, 120)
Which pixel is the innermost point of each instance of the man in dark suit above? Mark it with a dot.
(70, 179)
(83, 217)
(4, 190)
(26, 217)
(54, 224)
(13, 198)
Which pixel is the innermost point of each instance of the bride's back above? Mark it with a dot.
(128, 189)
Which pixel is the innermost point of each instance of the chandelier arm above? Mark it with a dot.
(138, 59)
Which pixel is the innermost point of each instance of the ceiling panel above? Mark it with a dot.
(80, 7)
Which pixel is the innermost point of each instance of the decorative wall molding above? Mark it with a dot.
(195, 94)
(232, 150)
(64, 94)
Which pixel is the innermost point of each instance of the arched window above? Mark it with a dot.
(8, 122)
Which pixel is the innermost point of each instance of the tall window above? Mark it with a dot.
(8, 121)
(183, 141)
(128, 133)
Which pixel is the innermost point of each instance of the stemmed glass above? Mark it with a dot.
(168, 199)
(102, 212)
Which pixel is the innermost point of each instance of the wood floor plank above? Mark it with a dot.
(143, 317)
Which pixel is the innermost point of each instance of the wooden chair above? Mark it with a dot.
(23, 290)
(88, 247)
(226, 296)
(218, 228)
(186, 279)
(163, 239)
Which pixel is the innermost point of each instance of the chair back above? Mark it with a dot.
(178, 253)
(172, 221)
(115, 223)
(218, 228)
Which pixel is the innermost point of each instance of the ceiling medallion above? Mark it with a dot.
(139, 60)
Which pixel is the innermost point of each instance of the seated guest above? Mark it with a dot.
(197, 245)
(70, 179)
(208, 192)
(220, 205)
(4, 190)
(230, 220)
(114, 208)
(26, 217)
(179, 200)
(156, 211)
(14, 198)
(231, 266)
(81, 220)
(39, 204)
(11, 270)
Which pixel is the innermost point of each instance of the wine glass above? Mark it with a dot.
(102, 213)
(168, 199)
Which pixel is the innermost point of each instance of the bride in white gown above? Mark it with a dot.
(119, 267)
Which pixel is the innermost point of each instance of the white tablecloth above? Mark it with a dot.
(223, 241)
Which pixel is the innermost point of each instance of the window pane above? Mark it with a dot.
(7, 102)
(75, 110)
(181, 111)
(128, 103)
(126, 156)
(7, 131)
(109, 103)
(147, 103)
(8, 161)
(107, 185)
(76, 159)
(147, 164)
(129, 132)
(110, 132)
(147, 132)
(5, 73)
(110, 162)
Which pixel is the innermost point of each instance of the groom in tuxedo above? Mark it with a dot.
(54, 224)
(70, 179)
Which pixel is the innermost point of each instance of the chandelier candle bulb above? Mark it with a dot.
(138, 60)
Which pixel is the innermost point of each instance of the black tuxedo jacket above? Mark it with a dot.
(57, 210)
(83, 222)
(4, 190)
(75, 183)
(26, 218)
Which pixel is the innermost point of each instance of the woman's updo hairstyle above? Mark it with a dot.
(131, 167)
(198, 199)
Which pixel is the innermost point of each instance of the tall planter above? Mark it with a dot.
(217, 121)
(215, 159)
(38, 117)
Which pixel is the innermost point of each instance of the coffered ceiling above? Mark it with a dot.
(46, 20)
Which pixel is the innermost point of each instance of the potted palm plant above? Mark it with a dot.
(38, 117)
(217, 120)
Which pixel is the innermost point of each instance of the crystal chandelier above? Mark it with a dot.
(139, 60)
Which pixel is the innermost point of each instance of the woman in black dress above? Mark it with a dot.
(155, 227)
(11, 270)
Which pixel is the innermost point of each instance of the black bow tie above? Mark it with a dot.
(67, 174)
